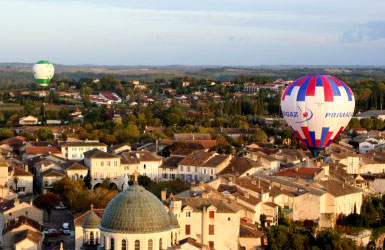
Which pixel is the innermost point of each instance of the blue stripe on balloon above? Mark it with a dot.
(336, 91)
(324, 133)
(307, 143)
(291, 87)
(301, 96)
(319, 82)
(312, 137)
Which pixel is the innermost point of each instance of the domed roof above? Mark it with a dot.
(135, 210)
(91, 220)
(173, 219)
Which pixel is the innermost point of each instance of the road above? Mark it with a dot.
(58, 217)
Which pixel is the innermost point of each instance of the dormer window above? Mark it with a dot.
(211, 214)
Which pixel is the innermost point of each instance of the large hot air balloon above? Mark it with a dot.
(43, 72)
(317, 109)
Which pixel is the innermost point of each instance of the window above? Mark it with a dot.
(204, 171)
(211, 244)
(211, 229)
(144, 166)
(196, 169)
(150, 245)
(108, 163)
(91, 238)
(115, 163)
(181, 168)
(112, 245)
(211, 214)
(188, 214)
(124, 245)
(102, 163)
(187, 229)
(137, 245)
(212, 171)
(188, 169)
(160, 244)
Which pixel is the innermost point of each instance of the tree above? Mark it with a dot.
(44, 134)
(6, 133)
(47, 201)
(259, 136)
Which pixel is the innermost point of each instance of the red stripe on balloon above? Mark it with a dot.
(305, 131)
(327, 138)
(299, 136)
(328, 92)
(339, 132)
(310, 91)
(300, 82)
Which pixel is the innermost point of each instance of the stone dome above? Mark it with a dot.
(135, 210)
(91, 220)
(173, 219)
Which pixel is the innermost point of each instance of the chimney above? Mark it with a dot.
(163, 194)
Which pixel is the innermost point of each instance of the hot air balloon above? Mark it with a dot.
(43, 72)
(317, 109)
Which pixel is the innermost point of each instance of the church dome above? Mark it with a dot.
(91, 220)
(135, 210)
(173, 219)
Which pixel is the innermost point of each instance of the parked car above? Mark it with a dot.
(60, 206)
(65, 231)
(51, 232)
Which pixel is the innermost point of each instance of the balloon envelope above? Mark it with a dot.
(317, 109)
(43, 72)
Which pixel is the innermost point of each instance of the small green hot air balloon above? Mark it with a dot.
(43, 72)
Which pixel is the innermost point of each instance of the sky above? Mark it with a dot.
(194, 32)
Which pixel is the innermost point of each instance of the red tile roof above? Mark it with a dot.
(305, 173)
(42, 150)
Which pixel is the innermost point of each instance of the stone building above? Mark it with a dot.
(134, 219)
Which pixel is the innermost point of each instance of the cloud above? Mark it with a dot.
(370, 31)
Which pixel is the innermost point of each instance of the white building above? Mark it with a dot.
(211, 222)
(103, 165)
(146, 163)
(76, 150)
(134, 219)
(28, 120)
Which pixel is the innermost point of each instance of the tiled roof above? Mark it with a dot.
(203, 144)
(239, 165)
(20, 172)
(182, 151)
(42, 150)
(337, 188)
(171, 162)
(98, 154)
(79, 217)
(17, 140)
(222, 207)
(73, 165)
(215, 160)
(196, 158)
(22, 220)
(83, 144)
(137, 156)
(305, 173)
(27, 234)
(250, 199)
(52, 173)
